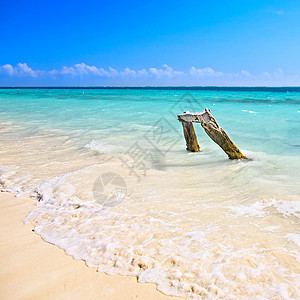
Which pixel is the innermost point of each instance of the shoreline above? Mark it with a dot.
(34, 269)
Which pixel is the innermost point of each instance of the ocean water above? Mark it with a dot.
(115, 187)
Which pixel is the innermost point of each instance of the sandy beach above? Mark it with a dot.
(34, 269)
(120, 196)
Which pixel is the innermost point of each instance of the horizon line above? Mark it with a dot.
(144, 86)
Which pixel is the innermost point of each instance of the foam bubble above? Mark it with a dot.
(294, 237)
(249, 111)
(99, 147)
(182, 259)
(263, 208)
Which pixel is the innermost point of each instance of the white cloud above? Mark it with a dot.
(112, 72)
(128, 72)
(246, 73)
(83, 69)
(22, 69)
(204, 72)
(82, 73)
(142, 72)
(8, 68)
(80, 69)
(165, 71)
(279, 73)
(265, 74)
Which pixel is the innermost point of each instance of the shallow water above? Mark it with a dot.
(117, 189)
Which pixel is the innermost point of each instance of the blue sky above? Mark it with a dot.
(150, 43)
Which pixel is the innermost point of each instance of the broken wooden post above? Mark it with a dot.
(190, 137)
(214, 131)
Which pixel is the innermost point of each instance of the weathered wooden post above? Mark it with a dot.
(190, 137)
(214, 131)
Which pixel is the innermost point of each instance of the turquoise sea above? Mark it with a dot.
(114, 185)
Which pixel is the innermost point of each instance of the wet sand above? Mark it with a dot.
(34, 269)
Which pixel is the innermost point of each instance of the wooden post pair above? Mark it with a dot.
(213, 130)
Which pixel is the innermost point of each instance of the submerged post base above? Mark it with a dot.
(190, 137)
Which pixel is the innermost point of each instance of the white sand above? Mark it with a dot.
(33, 269)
